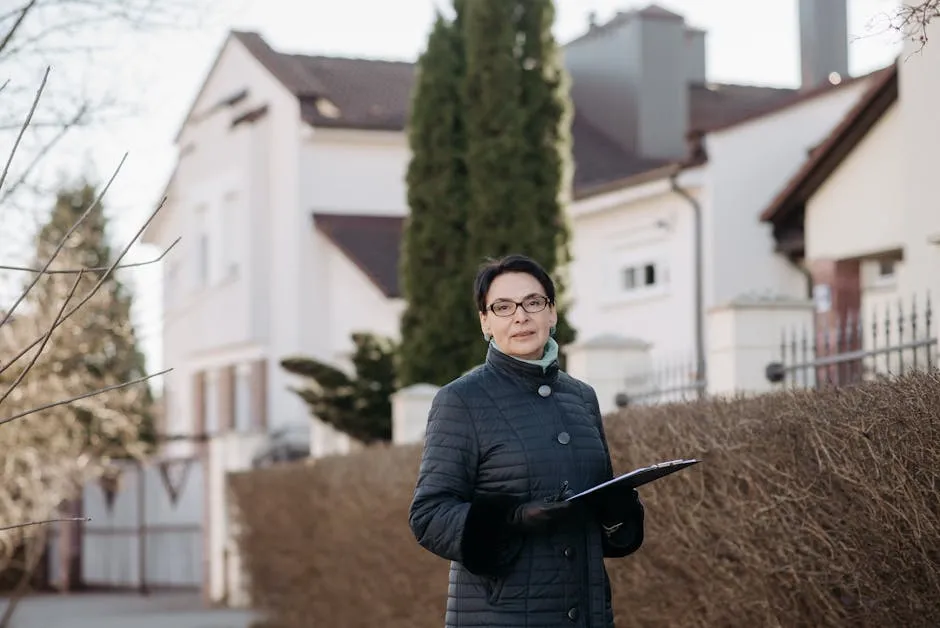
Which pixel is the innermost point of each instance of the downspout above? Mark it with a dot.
(700, 365)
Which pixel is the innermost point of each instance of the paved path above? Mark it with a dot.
(160, 610)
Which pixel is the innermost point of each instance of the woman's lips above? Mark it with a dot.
(523, 334)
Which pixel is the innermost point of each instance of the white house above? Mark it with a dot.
(861, 213)
(289, 194)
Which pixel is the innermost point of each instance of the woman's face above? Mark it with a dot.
(520, 333)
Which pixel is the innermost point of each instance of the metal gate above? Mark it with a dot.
(145, 530)
(892, 340)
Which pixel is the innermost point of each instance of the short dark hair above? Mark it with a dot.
(493, 268)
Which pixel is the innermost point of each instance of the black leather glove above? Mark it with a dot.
(538, 513)
(621, 508)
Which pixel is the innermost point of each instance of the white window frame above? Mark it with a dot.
(637, 251)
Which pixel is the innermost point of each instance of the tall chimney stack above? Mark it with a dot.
(824, 45)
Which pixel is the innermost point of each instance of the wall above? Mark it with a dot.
(919, 85)
(639, 62)
(866, 191)
(227, 180)
(356, 172)
(649, 223)
(748, 164)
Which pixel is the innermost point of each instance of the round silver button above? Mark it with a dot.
(564, 438)
(545, 390)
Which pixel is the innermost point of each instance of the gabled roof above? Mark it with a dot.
(368, 241)
(371, 94)
(828, 155)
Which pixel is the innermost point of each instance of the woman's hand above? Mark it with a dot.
(622, 508)
(538, 513)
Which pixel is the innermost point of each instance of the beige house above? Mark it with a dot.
(863, 212)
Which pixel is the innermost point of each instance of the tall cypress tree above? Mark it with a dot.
(545, 98)
(489, 174)
(440, 338)
(518, 129)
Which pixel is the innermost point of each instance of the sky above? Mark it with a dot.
(160, 72)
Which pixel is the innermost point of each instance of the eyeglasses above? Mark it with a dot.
(532, 304)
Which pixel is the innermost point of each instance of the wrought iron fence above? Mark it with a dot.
(891, 340)
(668, 382)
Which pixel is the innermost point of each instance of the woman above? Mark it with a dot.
(505, 444)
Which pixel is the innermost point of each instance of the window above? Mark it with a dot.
(642, 276)
(886, 269)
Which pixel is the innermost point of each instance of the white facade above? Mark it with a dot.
(651, 224)
(632, 272)
(879, 205)
(253, 280)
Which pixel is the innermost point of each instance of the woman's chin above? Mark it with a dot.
(529, 347)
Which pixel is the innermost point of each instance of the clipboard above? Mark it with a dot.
(635, 478)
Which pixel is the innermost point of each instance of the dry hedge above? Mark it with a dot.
(810, 509)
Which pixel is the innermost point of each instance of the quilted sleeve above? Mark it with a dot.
(627, 518)
(447, 517)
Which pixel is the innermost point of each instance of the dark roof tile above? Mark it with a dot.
(370, 242)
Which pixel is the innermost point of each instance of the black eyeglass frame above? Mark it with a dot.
(518, 304)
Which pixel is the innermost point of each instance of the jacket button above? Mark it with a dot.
(564, 438)
(573, 613)
(545, 390)
(569, 553)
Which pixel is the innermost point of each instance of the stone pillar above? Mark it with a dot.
(614, 365)
(410, 407)
(744, 337)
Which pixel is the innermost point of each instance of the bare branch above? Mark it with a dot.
(912, 20)
(25, 125)
(20, 18)
(63, 128)
(45, 340)
(58, 248)
(44, 522)
(72, 271)
(94, 290)
(93, 393)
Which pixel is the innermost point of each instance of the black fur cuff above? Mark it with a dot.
(626, 539)
(488, 545)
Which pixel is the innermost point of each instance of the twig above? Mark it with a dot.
(94, 269)
(94, 290)
(25, 125)
(83, 396)
(44, 522)
(23, 12)
(58, 248)
(29, 366)
(42, 152)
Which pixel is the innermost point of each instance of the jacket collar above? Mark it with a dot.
(527, 373)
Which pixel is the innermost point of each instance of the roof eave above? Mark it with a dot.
(843, 139)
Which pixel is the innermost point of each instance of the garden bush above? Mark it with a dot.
(811, 508)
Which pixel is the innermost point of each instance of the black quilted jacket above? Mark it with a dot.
(506, 433)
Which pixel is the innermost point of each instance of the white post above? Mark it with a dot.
(228, 452)
(744, 337)
(410, 407)
(612, 364)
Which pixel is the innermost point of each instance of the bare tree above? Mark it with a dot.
(48, 453)
(913, 19)
(81, 39)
